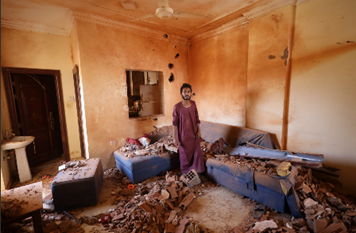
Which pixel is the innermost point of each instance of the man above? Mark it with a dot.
(186, 132)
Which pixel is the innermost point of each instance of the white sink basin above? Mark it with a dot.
(17, 142)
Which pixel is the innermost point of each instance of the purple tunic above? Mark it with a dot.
(190, 154)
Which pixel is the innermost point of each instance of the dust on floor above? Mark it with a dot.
(219, 209)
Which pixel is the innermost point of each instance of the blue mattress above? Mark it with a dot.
(140, 168)
(254, 185)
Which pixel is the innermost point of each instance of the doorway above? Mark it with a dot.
(36, 108)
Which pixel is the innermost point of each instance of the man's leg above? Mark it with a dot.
(184, 162)
(198, 160)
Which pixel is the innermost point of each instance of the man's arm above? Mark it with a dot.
(176, 139)
(198, 129)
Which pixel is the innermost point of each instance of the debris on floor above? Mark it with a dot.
(264, 225)
(163, 146)
(160, 203)
(156, 207)
(325, 210)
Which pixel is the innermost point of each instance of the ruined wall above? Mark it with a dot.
(322, 115)
(105, 53)
(43, 51)
(267, 46)
(322, 103)
(217, 71)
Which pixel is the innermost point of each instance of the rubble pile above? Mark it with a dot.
(325, 210)
(162, 147)
(268, 167)
(75, 164)
(218, 147)
(156, 207)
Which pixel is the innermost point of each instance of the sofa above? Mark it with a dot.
(245, 181)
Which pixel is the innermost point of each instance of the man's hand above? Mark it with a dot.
(177, 144)
(176, 140)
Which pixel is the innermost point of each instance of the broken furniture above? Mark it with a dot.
(19, 143)
(79, 185)
(243, 180)
(22, 202)
(253, 151)
(258, 186)
(140, 168)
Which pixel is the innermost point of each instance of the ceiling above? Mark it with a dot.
(197, 15)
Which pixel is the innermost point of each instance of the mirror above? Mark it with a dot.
(144, 93)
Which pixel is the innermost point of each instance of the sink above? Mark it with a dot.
(17, 142)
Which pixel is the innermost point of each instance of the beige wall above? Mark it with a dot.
(44, 51)
(323, 89)
(323, 81)
(105, 53)
(217, 71)
(268, 39)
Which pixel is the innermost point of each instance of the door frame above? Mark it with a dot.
(78, 96)
(7, 71)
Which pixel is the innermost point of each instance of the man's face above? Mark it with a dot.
(186, 93)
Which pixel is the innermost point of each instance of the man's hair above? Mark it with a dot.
(185, 85)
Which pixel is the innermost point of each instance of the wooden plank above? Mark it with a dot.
(22, 200)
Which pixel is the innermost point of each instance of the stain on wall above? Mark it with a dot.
(111, 51)
(217, 71)
(322, 109)
(268, 39)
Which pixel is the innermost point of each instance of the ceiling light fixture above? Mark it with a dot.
(164, 12)
(128, 5)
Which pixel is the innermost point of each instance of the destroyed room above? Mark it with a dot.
(177, 116)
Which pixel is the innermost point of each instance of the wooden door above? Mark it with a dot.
(37, 114)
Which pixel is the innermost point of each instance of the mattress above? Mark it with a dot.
(140, 168)
(257, 186)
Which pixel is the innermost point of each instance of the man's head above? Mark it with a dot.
(186, 91)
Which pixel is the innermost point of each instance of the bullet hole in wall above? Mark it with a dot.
(170, 66)
(347, 42)
(176, 56)
(165, 36)
(171, 78)
(271, 56)
(285, 55)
